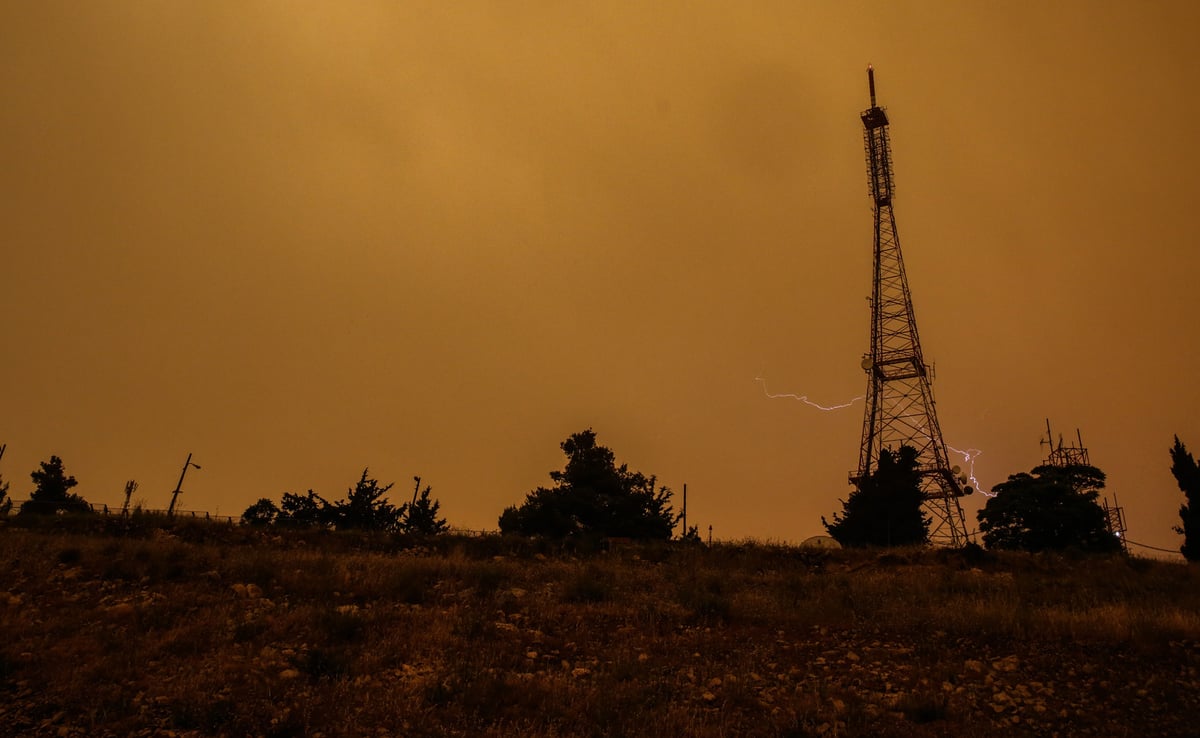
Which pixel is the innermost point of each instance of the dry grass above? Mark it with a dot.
(219, 630)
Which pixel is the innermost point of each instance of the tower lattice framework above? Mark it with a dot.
(899, 400)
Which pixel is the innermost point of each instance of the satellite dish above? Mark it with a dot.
(820, 542)
(866, 363)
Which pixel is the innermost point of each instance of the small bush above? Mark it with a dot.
(592, 584)
(70, 556)
(327, 663)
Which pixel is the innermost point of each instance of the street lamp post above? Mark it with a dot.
(179, 486)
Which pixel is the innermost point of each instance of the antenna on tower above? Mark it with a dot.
(899, 407)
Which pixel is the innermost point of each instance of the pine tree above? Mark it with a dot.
(367, 508)
(421, 515)
(885, 509)
(1187, 474)
(52, 491)
(593, 497)
(5, 502)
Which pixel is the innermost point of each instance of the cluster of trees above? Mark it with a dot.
(1050, 508)
(365, 507)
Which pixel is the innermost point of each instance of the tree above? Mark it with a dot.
(1187, 475)
(5, 502)
(52, 491)
(263, 512)
(421, 515)
(1051, 508)
(303, 511)
(885, 509)
(366, 508)
(592, 496)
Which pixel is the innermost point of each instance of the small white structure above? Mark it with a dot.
(820, 542)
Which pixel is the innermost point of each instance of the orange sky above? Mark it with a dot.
(437, 238)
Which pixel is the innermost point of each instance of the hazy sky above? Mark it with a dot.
(298, 239)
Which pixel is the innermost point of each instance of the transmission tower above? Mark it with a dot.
(899, 400)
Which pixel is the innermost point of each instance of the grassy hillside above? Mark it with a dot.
(220, 630)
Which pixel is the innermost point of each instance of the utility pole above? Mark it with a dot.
(179, 485)
(685, 530)
(899, 401)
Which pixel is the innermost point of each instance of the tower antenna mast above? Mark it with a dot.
(899, 407)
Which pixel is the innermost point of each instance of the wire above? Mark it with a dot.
(1154, 548)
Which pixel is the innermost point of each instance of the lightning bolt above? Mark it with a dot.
(803, 398)
(969, 457)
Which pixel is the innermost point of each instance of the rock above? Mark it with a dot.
(289, 674)
(852, 657)
(531, 654)
(253, 591)
(580, 672)
(1006, 664)
(708, 696)
(121, 609)
(973, 666)
(642, 658)
(239, 589)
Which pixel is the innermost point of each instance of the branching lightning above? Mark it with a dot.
(969, 457)
(803, 398)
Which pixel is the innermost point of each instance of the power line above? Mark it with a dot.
(1155, 548)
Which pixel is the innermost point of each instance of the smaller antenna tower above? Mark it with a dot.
(130, 487)
(1063, 455)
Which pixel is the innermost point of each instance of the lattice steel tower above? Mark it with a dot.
(899, 401)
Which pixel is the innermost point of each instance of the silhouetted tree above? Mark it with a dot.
(593, 496)
(366, 508)
(303, 511)
(885, 509)
(5, 500)
(263, 512)
(52, 491)
(421, 515)
(1187, 474)
(1051, 508)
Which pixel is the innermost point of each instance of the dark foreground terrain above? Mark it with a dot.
(207, 630)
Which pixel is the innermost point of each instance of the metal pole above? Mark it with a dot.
(179, 485)
(685, 528)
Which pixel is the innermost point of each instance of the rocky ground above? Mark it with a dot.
(115, 637)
